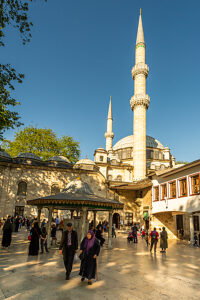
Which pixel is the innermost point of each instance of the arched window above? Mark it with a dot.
(109, 177)
(55, 189)
(119, 178)
(22, 188)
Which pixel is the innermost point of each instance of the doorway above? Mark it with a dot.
(19, 211)
(116, 220)
(179, 222)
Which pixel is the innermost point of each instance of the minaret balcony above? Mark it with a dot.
(140, 68)
(109, 135)
(140, 99)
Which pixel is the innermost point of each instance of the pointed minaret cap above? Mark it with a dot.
(110, 110)
(140, 33)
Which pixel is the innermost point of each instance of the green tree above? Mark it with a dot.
(13, 13)
(42, 142)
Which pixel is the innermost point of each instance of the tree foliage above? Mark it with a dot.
(13, 13)
(42, 142)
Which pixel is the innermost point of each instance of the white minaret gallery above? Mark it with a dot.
(139, 104)
(109, 134)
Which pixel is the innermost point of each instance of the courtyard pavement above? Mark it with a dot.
(127, 272)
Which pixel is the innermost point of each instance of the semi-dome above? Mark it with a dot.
(28, 156)
(59, 158)
(5, 154)
(85, 161)
(127, 142)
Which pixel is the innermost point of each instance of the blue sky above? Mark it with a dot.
(82, 52)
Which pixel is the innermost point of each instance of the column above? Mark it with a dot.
(72, 212)
(191, 229)
(110, 230)
(49, 226)
(95, 222)
(84, 215)
(39, 215)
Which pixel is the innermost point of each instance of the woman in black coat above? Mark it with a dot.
(89, 250)
(35, 236)
(7, 233)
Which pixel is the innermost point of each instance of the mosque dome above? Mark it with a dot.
(5, 154)
(127, 142)
(59, 158)
(85, 161)
(28, 155)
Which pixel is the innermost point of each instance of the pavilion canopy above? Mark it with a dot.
(77, 194)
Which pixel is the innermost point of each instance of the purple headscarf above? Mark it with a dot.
(89, 243)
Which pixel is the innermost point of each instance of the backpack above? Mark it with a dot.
(154, 236)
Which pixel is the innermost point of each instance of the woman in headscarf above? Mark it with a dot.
(35, 236)
(7, 233)
(163, 240)
(89, 250)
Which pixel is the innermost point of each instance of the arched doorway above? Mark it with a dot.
(116, 220)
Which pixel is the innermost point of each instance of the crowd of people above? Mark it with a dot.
(151, 238)
(89, 246)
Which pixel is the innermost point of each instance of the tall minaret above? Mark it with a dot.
(139, 104)
(109, 134)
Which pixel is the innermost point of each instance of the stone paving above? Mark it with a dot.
(127, 272)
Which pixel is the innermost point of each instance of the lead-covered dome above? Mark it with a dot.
(4, 154)
(59, 158)
(127, 142)
(85, 161)
(28, 156)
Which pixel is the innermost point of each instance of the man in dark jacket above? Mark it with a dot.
(68, 247)
(134, 231)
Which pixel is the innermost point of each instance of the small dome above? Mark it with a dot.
(59, 158)
(85, 161)
(127, 142)
(28, 155)
(5, 154)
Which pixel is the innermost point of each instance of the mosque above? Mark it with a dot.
(125, 172)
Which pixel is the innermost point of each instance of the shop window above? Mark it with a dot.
(172, 189)
(196, 223)
(22, 188)
(183, 187)
(55, 189)
(164, 191)
(195, 184)
(156, 193)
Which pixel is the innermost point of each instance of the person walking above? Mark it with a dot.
(53, 235)
(163, 240)
(147, 237)
(44, 239)
(89, 250)
(154, 239)
(134, 231)
(195, 240)
(68, 247)
(35, 234)
(7, 233)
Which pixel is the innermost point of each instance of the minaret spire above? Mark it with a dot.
(139, 104)
(110, 110)
(109, 134)
(140, 33)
